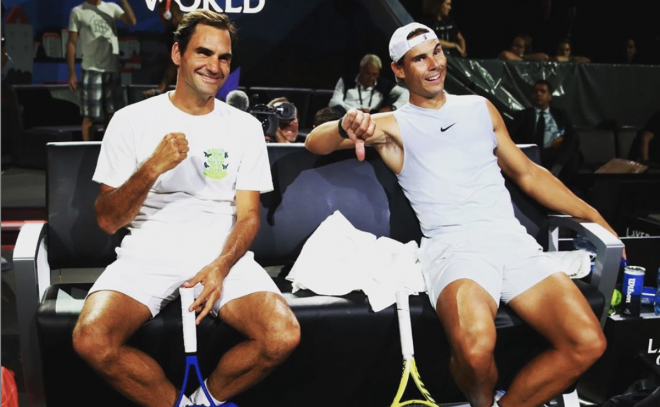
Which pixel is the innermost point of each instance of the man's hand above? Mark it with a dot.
(73, 82)
(557, 142)
(211, 278)
(151, 92)
(359, 127)
(169, 153)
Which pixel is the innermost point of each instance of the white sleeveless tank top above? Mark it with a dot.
(450, 173)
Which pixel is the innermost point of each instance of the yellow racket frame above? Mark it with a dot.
(410, 370)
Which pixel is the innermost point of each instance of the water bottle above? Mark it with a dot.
(581, 242)
(656, 306)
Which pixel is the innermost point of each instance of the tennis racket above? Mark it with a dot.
(190, 344)
(408, 351)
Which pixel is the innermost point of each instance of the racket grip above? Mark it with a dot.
(188, 318)
(405, 326)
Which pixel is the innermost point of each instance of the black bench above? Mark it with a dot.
(348, 354)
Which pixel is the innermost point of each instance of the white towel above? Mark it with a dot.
(338, 259)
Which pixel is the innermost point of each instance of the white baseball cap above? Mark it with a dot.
(399, 43)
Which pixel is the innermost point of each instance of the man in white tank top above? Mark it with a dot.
(449, 153)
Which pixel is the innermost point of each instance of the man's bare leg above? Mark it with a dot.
(272, 333)
(467, 313)
(87, 128)
(108, 319)
(555, 308)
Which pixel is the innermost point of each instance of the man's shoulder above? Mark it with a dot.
(466, 100)
(227, 112)
(78, 9)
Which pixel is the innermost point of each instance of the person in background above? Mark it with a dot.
(325, 115)
(287, 130)
(649, 150)
(520, 50)
(551, 129)
(565, 53)
(171, 21)
(630, 52)
(367, 91)
(92, 24)
(452, 41)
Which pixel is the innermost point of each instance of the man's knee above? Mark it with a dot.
(281, 338)
(475, 348)
(590, 344)
(92, 344)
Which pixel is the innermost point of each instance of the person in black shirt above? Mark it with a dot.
(451, 40)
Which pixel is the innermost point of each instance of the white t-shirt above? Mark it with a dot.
(227, 153)
(97, 35)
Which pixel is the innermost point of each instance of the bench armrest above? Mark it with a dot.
(608, 253)
(32, 276)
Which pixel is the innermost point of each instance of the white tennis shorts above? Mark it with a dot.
(504, 260)
(151, 270)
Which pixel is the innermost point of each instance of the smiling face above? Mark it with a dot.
(205, 64)
(423, 70)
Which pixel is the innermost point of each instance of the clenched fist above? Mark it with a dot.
(360, 127)
(169, 153)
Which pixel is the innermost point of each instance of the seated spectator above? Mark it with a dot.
(287, 130)
(451, 39)
(327, 114)
(520, 50)
(367, 91)
(630, 52)
(550, 129)
(564, 53)
(170, 19)
(649, 149)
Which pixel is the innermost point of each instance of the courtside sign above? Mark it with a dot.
(214, 6)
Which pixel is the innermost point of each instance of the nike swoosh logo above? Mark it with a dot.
(444, 129)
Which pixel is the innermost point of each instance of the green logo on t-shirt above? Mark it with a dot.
(215, 166)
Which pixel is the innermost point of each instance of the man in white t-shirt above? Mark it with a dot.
(93, 24)
(448, 153)
(183, 171)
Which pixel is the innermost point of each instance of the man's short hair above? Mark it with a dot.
(187, 27)
(544, 82)
(371, 59)
(326, 114)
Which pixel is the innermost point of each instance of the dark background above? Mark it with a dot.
(310, 43)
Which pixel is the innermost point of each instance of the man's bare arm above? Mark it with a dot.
(128, 17)
(361, 128)
(117, 207)
(535, 180)
(237, 244)
(71, 45)
(647, 136)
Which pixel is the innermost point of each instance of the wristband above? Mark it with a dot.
(156, 92)
(343, 133)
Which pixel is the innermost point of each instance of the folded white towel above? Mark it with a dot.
(338, 259)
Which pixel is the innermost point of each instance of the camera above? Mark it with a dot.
(270, 117)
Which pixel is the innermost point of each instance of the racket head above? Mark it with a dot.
(410, 370)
